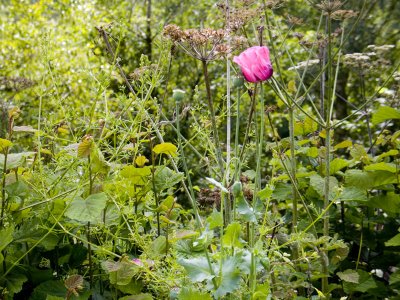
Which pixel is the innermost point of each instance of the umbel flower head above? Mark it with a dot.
(255, 64)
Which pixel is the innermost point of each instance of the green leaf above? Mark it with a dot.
(166, 178)
(5, 144)
(344, 144)
(14, 283)
(230, 277)
(6, 237)
(353, 193)
(245, 210)
(390, 203)
(382, 166)
(215, 219)
(190, 294)
(394, 241)
(15, 160)
(197, 268)
(138, 176)
(349, 276)
(318, 184)
(166, 148)
(158, 247)
(143, 296)
(392, 152)
(337, 164)
(88, 210)
(120, 272)
(231, 237)
(385, 113)
(365, 283)
(85, 147)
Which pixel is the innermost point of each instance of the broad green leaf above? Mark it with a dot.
(370, 179)
(392, 152)
(344, 144)
(312, 152)
(143, 296)
(349, 276)
(215, 219)
(394, 241)
(138, 176)
(87, 210)
(244, 209)
(158, 246)
(5, 144)
(390, 203)
(230, 277)
(120, 272)
(385, 113)
(197, 268)
(6, 237)
(365, 283)
(15, 160)
(337, 164)
(382, 166)
(265, 193)
(352, 193)
(166, 178)
(358, 153)
(14, 283)
(190, 294)
(231, 237)
(166, 148)
(318, 184)
(185, 234)
(282, 191)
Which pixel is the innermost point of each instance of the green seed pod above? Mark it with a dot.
(178, 95)
(238, 82)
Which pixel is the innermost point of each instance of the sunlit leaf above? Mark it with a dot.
(385, 113)
(166, 148)
(197, 268)
(231, 237)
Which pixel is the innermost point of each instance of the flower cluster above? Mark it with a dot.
(203, 44)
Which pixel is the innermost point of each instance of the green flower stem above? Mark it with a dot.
(249, 121)
(185, 168)
(213, 119)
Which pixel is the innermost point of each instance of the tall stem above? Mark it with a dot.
(3, 187)
(213, 120)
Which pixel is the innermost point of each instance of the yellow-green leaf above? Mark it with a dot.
(85, 147)
(166, 148)
(5, 144)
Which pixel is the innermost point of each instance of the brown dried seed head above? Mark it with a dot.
(330, 6)
(342, 14)
(173, 31)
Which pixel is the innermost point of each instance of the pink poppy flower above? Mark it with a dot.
(255, 63)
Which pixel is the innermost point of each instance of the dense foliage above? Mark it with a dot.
(137, 163)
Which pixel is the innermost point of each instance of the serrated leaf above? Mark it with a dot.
(166, 148)
(365, 283)
(85, 146)
(87, 210)
(138, 176)
(120, 272)
(349, 275)
(231, 237)
(197, 268)
(385, 113)
(166, 178)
